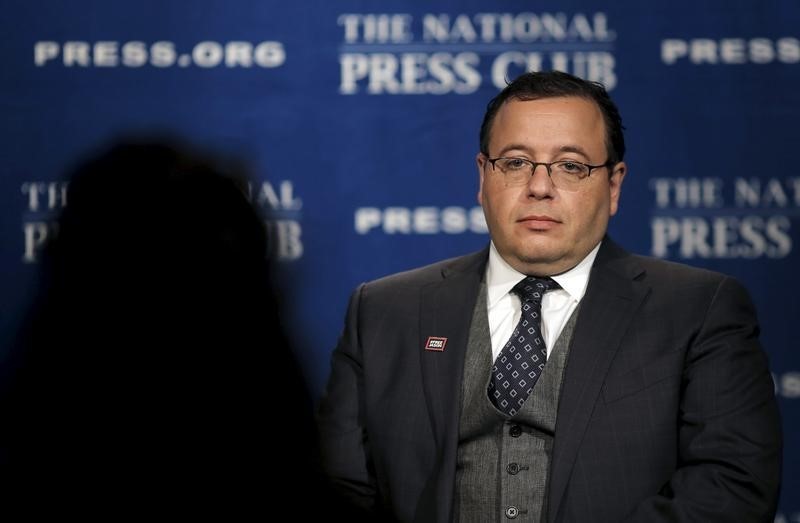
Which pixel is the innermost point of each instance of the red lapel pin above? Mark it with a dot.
(435, 343)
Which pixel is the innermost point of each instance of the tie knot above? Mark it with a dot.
(533, 288)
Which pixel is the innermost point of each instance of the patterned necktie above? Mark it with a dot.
(522, 359)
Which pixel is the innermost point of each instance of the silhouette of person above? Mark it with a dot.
(153, 372)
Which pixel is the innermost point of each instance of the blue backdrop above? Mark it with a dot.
(360, 123)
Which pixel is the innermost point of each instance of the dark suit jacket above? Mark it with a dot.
(667, 409)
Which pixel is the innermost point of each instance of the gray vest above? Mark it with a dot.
(503, 464)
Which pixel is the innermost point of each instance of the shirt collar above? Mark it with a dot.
(501, 277)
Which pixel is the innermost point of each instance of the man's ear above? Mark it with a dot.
(618, 171)
(480, 161)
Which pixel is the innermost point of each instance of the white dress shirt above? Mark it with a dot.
(504, 307)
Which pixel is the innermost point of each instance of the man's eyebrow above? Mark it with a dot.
(516, 146)
(574, 149)
(528, 150)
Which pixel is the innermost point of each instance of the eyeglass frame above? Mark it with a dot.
(547, 165)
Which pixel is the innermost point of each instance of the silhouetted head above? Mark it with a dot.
(155, 352)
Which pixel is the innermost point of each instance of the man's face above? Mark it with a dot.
(537, 228)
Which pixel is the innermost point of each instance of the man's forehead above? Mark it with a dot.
(574, 113)
(550, 101)
(519, 120)
(554, 107)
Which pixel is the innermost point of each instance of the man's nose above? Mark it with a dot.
(540, 185)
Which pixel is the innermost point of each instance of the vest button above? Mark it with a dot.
(512, 512)
(512, 468)
(515, 431)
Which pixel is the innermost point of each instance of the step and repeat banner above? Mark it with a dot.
(358, 122)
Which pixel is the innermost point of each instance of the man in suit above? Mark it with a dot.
(655, 402)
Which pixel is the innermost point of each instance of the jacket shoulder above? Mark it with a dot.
(677, 281)
(435, 272)
(671, 271)
(667, 276)
(650, 269)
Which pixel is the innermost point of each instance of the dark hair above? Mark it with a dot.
(552, 84)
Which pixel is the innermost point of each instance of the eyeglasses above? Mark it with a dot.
(566, 175)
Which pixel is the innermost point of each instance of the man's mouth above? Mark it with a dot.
(538, 221)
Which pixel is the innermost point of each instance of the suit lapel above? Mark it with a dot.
(446, 309)
(612, 298)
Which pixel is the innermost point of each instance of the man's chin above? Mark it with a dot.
(541, 251)
(540, 262)
(539, 258)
